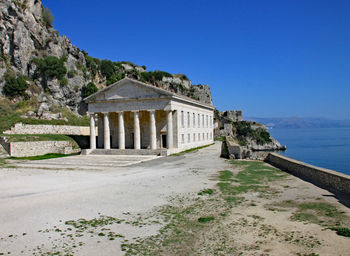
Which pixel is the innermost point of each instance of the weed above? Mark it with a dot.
(205, 219)
(208, 191)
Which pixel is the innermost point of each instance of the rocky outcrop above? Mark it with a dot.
(274, 145)
(24, 36)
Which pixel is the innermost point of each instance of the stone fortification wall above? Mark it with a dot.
(20, 128)
(35, 148)
(321, 177)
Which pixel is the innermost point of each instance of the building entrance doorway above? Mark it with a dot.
(164, 141)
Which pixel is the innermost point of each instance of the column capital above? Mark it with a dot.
(91, 113)
(105, 113)
(135, 111)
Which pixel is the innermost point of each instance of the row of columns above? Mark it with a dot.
(137, 133)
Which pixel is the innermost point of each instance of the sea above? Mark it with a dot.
(324, 147)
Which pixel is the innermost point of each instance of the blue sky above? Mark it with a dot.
(267, 58)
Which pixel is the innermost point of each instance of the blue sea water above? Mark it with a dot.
(324, 147)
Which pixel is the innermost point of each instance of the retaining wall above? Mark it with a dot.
(328, 179)
(20, 128)
(35, 148)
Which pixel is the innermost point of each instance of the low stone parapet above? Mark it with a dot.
(35, 148)
(325, 178)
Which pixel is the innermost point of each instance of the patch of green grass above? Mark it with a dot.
(208, 191)
(205, 219)
(191, 150)
(42, 157)
(252, 178)
(225, 175)
(222, 138)
(342, 231)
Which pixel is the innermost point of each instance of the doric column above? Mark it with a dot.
(121, 130)
(169, 133)
(152, 129)
(137, 136)
(106, 135)
(92, 131)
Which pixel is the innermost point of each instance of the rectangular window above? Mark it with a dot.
(207, 121)
(188, 138)
(199, 136)
(203, 135)
(182, 119)
(203, 120)
(194, 137)
(207, 136)
(194, 120)
(188, 120)
(199, 120)
(182, 138)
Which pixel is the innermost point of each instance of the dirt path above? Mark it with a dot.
(154, 208)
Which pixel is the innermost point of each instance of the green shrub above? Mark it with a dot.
(71, 73)
(244, 130)
(107, 68)
(156, 75)
(88, 89)
(64, 81)
(50, 67)
(92, 64)
(115, 78)
(15, 86)
(47, 16)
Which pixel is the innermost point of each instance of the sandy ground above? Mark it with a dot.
(39, 196)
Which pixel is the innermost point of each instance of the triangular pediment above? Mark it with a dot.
(128, 89)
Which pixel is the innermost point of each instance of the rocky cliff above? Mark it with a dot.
(55, 71)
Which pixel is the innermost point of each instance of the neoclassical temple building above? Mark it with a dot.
(137, 118)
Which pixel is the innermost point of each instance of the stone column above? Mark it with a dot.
(121, 130)
(137, 136)
(169, 133)
(92, 131)
(152, 129)
(106, 137)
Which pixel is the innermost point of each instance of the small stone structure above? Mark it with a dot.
(328, 179)
(232, 150)
(35, 148)
(20, 128)
(135, 115)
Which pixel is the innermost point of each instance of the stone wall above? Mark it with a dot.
(20, 128)
(321, 177)
(230, 149)
(35, 148)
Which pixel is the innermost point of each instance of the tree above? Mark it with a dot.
(88, 89)
(15, 86)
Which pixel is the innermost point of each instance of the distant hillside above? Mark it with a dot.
(298, 122)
